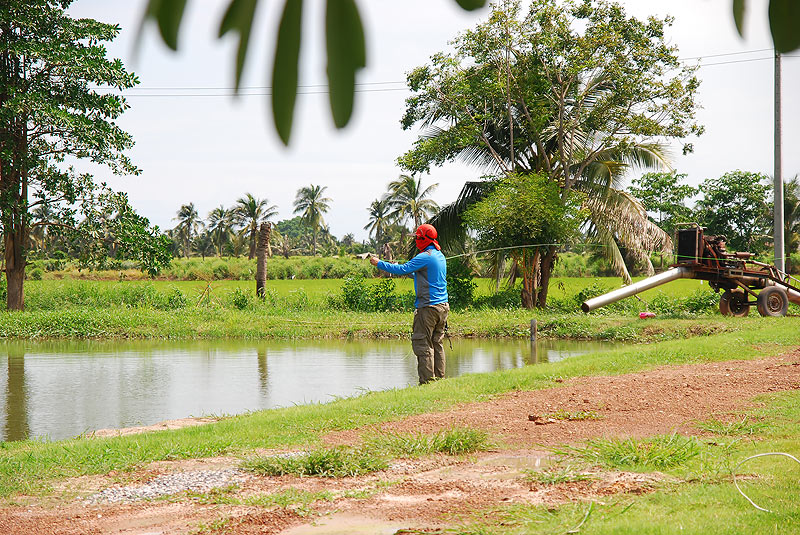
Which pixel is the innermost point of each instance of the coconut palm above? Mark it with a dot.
(250, 212)
(220, 221)
(189, 224)
(408, 200)
(310, 204)
(378, 221)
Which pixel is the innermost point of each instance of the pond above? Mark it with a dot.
(58, 389)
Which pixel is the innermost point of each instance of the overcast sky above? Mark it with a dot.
(196, 144)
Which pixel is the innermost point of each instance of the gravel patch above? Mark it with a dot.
(198, 481)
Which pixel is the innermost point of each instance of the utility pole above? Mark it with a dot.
(778, 177)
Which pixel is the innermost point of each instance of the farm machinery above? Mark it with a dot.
(743, 281)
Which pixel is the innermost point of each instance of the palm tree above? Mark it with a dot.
(250, 213)
(378, 221)
(310, 204)
(219, 226)
(41, 216)
(188, 223)
(407, 199)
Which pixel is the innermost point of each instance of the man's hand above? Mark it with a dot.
(373, 260)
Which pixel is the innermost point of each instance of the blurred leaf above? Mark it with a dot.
(284, 73)
(784, 23)
(738, 15)
(168, 14)
(471, 5)
(346, 54)
(239, 18)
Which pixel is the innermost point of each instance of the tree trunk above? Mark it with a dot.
(546, 270)
(15, 270)
(261, 258)
(529, 263)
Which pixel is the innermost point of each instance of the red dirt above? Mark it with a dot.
(435, 492)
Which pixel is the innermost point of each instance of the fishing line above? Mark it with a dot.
(736, 483)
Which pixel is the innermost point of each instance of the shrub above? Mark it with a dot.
(36, 274)
(240, 299)
(176, 299)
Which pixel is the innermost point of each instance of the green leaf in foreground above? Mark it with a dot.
(239, 18)
(284, 73)
(168, 14)
(346, 54)
(784, 23)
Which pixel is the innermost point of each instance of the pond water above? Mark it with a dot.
(60, 389)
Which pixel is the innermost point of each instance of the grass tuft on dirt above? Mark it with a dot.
(333, 462)
(656, 453)
(454, 441)
(745, 426)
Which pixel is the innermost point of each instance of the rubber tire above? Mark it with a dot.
(772, 302)
(731, 303)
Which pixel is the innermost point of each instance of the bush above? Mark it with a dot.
(240, 299)
(460, 286)
(36, 274)
(176, 299)
(356, 294)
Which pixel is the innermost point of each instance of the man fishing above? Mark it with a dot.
(430, 317)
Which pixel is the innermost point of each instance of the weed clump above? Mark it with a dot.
(455, 441)
(335, 462)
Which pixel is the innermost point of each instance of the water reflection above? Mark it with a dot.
(59, 389)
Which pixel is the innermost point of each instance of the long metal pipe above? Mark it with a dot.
(645, 284)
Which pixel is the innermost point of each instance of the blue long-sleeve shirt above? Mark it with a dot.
(430, 276)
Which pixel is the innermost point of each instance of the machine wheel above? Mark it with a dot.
(734, 303)
(772, 301)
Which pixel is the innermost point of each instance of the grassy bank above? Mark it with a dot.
(295, 309)
(31, 466)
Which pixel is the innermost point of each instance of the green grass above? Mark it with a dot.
(744, 426)
(327, 462)
(301, 309)
(573, 415)
(556, 475)
(454, 441)
(656, 453)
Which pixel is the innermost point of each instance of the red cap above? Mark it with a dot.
(426, 235)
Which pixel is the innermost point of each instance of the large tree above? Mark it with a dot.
(663, 195)
(735, 205)
(54, 105)
(576, 91)
(311, 204)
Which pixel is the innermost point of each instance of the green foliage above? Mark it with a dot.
(334, 462)
(35, 274)
(59, 65)
(524, 210)
(460, 286)
(176, 299)
(735, 205)
(662, 195)
(240, 299)
(357, 294)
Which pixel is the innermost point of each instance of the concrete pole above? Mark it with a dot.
(778, 177)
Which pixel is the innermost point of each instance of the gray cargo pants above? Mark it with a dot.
(426, 341)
